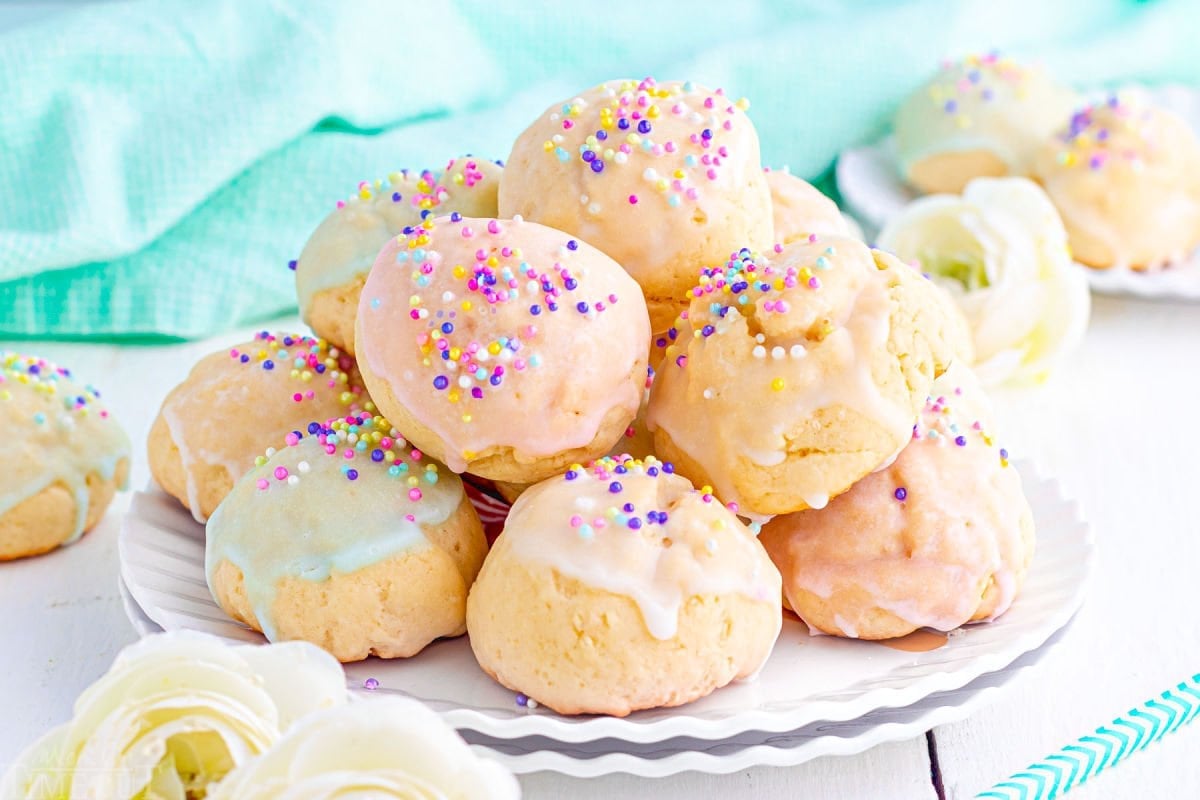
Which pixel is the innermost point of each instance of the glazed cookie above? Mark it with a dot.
(801, 210)
(984, 116)
(1125, 177)
(334, 263)
(794, 376)
(62, 457)
(503, 348)
(941, 537)
(661, 176)
(237, 403)
(347, 538)
(620, 587)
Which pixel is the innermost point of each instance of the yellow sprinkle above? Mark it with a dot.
(414, 301)
(346, 397)
(678, 173)
(453, 396)
(468, 455)
(413, 481)
(466, 417)
(494, 348)
(652, 112)
(466, 305)
(777, 385)
(455, 353)
(743, 103)
(492, 261)
(460, 271)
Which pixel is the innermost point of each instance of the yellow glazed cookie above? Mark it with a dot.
(502, 347)
(237, 403)
(795, 375)
(620, 587)
(984, 116)
(347, 538)
(801, 210)
(941, 537)
(664, 177)
(334, 263)
(1125, 177)
(62, 457)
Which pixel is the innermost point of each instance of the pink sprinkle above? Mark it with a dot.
(414, 494)
(977, 426)
(568, 124)
(415, 314)
(297, 397)
(341, 203)
(386, 442)
(669, 147)
(310, 394)
(728, 125)
(410, 517)
(708, 102)
(813, 283)
(576, 520)
(466, 232)
(348, 454)
(330, 449)
(281, 473)
(692, 194)
(612, 298)
(778, 248)
(262, 483)
(812, 238)
(493, 227)
(416, 455)
(291, 440)
(712, 174)
(633, 199)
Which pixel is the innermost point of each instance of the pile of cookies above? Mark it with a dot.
(1123, 172)
(707, 399)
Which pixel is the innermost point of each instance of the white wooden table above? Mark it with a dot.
(1120, 425)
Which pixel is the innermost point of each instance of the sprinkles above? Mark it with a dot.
(52, 382)
(637, 124)
(309, 361)
(975, 78)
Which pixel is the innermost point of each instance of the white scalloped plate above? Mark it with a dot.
(751, 748)
(871, 188)
(807, 678)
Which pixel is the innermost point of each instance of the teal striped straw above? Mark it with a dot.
(1109, 745)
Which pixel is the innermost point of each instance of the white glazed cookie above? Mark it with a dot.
(800, 210)
(941, 537)
(349, 538)
(1125, 176)
(663, 177)
(62, 456)
(235, 404)
(503, 347)
(984, 116)
(334, 263)
(795, 375)
(620, 587)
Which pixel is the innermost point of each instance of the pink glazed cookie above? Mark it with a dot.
(503, 347)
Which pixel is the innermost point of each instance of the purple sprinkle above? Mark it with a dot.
(396, 197)
(589, 155)
(522, 700)
(602, 135)
(477, 393)
(652, 472)
(456, 217)
(572, 245)
(570, 284)
(371, 684)
(268, 364)
(614, 487)
(644, 126)
(377, 454)
(535, 310)
(708, 330)
(706, 133)
(634, 524)
(581, 307)
(447, 327)
(627, 508)
(623, 124)
(292, 265)
(901, 493)
(352, 474)
(244, 358)
(961, 441)
(951, 106)
(597, 166)
(668, 468)
(571, 475)
(441, 382)
(1003, 453)
(314, 428)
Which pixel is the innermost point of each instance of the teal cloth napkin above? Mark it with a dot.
(160, 162)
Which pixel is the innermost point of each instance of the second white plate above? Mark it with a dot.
(807, 679)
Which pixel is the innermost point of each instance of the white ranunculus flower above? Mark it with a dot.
(1001, 250)
(386, 747)
(173, 714)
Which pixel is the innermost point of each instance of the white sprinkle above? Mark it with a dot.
(760, 351)
(531, 703)
(447, 297)
(270, 452)
(778, 352)
(594, 208)
(303, 467)
(482, 355)
(585, 503)
(760, 338)
(708, 394)
(583, 199)
(651, 174)
(798, 351)
(465, 381)
(517, 218)
(710, 545)
(620, 158)
(557, 138)
(292, 480)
